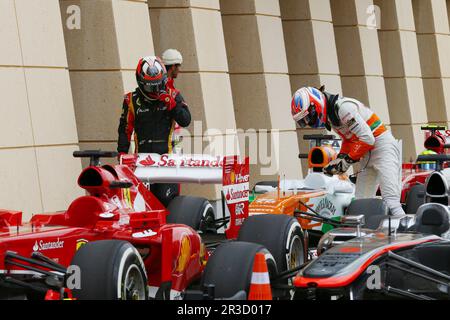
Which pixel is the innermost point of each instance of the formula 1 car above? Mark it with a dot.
(115, 243)
(405, 257)
(328, 195)
(414, 174)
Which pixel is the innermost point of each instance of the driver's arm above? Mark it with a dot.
(126, 125)
(363, 139)
(181, 113)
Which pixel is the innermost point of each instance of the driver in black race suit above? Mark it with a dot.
(151, 112)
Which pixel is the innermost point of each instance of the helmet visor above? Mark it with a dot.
(151, 88)
(310, 119)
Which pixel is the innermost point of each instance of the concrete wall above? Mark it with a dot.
(62, 87)
(37, 124)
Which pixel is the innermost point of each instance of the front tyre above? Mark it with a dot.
(110, 270)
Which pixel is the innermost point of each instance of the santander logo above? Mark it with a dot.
(172, 161)
(147, 161)
(41, 245)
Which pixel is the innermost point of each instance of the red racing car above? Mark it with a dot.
(115, 243)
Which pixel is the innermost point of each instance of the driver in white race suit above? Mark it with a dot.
(365, 139)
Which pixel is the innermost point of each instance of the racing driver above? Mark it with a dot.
(151, 112)
(365, 139)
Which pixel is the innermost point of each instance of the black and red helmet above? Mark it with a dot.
(151, 76)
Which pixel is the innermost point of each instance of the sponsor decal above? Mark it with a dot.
(185, 253)
(42, 245)
(106, 215)
(124, 219)
(236, 193)
(140, 110)
(166, 160)
(326, 208)
(240, 221)
(117, 202)
(350, 122)
(346, 117)
(144, 234)
(127, 197)
(239, 209)
(266, 201)
(80, 243)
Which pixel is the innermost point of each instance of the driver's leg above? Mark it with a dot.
(388, 164)
(366, 183)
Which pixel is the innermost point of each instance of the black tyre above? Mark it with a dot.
(230, 268)
(110, 270)
(283, 236)
(194, 212)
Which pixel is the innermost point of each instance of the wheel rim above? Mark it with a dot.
(134, 284)
(295, 254)
(208, 223)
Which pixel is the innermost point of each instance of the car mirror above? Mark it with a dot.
(358, 220)
(120, 184)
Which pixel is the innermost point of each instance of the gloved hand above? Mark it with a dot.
(338, 166)
(168, 98)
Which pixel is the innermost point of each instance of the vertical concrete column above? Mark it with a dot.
(359, 55)
(310, 44)
(260, 81)
(433, 38)
(102, 56)
(194, 27)
(311, 51)
(402, 74)
(37, 125)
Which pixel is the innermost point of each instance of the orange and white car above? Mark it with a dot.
(328, 196)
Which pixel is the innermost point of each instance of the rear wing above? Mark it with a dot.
(173, 168)
(230, 171)
(236, 191)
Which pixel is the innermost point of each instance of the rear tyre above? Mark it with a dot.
(110, 270)
(195, 212)
(283, 236)
(230, 268)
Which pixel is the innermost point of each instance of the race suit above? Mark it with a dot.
(153, 125)
(366, 139)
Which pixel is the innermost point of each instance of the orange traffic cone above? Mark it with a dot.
(260, 285)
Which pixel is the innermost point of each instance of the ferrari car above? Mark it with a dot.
(116, 243)
(382, 256)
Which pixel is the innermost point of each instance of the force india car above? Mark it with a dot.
(329, 196)
(115, 242)
(406, 257)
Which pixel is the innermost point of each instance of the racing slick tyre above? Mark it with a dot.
(194, 212)
(110, 270)
(230, 268)
(283, 236)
